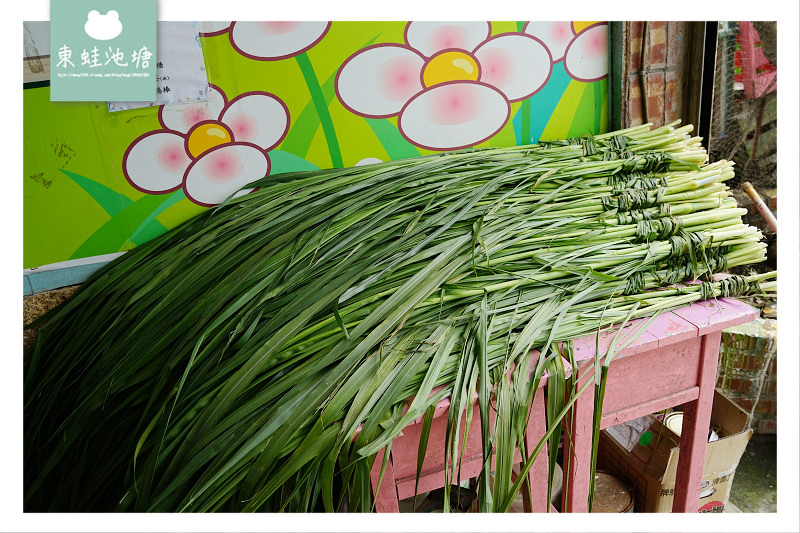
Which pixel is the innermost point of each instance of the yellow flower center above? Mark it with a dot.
(206, 136)
(579, 26)
(450, 66)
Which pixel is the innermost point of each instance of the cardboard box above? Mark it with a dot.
(651, 469)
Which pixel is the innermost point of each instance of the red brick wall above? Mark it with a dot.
(664, 73)
(665, 55)
(747, 375)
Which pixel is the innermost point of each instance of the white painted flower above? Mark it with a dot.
(270, 40)
(450, 84)
(211, 28)
(583, 46)
(368, 161)
(586, 57)
(555, 35)
(210, 149)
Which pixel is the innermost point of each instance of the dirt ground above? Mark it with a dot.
(36, 305)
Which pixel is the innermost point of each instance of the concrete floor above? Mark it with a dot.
(755, 488)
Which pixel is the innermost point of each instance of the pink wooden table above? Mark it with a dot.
(673, 363)
(399, 479)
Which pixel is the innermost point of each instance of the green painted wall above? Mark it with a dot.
(97, 182)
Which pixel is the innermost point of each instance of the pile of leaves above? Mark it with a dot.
(257, 357)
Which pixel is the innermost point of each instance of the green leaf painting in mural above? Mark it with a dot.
(577, 112)
(301, 134)
(115, 234)
(109, 199)
(525, 122)
(321, 105)
(537, 111)
(590, 109)
(525, 109)
(389, 136)
(150, 228)
(601, 104)
(134, 222)
(282, 161)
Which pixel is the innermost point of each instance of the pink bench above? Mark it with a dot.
(399, 479)
(673, 363)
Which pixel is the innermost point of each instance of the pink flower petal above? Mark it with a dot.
(454, 115)
(517, 64)
(273, 40)
(258, 118)
(156, 162)
(586, 58)
(182, 117)
(223, 171)
(556, 36)
(431, 37)
(378, 80)
(216, 27)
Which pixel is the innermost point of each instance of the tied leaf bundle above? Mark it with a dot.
(257, 357)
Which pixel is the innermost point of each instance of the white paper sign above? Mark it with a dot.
(180, 68)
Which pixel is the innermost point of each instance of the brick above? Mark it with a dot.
(767, 407)
(655, 110)
(735, 396)
(635, 61)
(753, 362)
(637, 30)
(727, 385)
(676, 43)
(767, 426)
(635, 111)
(673, 95)
(655, 98)
(635, 91)
(655, 84)
(744, 403)
(658, 55)
(635, 43)
(759, 361)
(745, 386)
(740, 361)
(658, 36)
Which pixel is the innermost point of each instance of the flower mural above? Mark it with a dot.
(210, 149)
(583, 46)
(357, 92)
(276, 40)
(450, 84)
(271, 40)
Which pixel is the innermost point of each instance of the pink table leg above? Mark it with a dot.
(577, 447)
(694, 435)
(386, 499)
(399, 482)
(537, 477)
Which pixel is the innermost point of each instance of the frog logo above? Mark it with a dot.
(102, 27)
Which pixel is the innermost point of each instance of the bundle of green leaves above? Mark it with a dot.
(257, 357)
